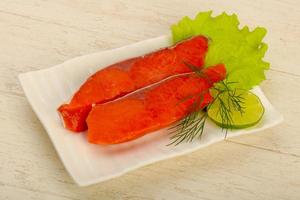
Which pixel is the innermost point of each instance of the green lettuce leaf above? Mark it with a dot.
(241, 50)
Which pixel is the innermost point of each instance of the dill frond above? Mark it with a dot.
(192, 126)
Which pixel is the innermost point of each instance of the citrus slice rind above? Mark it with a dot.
(253, 110)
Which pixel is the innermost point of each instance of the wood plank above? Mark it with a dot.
(113, 20)
(14, 192)
(37, 34)
(283, 91)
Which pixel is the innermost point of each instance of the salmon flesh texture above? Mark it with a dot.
(153, 108)
(127, 76)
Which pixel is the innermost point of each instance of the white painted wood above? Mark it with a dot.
(283, 90)
(36, 34)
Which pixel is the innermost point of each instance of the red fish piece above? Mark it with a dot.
(151, 109)
(129, 75)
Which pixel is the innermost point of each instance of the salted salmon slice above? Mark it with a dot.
(167, 62)
(151, 109)
(127, 76)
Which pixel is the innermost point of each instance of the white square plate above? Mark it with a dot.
(87, 163)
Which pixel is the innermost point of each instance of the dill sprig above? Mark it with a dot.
(192, 126)
(228, 100)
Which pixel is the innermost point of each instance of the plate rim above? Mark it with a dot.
(23, 78)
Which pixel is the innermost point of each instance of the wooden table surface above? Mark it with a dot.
(37, 34)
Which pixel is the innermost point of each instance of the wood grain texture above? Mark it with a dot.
(37, 34)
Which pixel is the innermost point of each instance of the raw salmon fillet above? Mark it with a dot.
(152, 108)
(129, 75)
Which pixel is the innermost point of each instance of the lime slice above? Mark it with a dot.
(251, 114)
